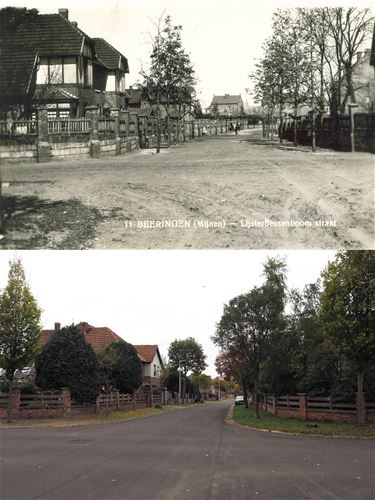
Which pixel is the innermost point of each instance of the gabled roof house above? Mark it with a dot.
(45, 59)
(230, 105)
(101, 337)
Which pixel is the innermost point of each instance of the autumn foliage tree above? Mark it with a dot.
(20, 327)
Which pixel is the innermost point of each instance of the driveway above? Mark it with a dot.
(214, 192)
(186, 454)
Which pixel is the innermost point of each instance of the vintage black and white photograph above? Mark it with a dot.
(187, 125)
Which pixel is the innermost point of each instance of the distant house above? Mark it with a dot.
(134, 99)
(152, 364)
(372, 56)
(45, 59)
(228, 105)
(363, 82)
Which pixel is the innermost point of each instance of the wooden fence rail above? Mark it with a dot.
(69, 126)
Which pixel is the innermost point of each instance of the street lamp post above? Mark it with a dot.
(352, 106)
(179, 383)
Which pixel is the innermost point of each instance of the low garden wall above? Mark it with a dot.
(316, 408)
(60, 404)
(92, 137)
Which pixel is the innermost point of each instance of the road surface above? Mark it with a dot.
(214, 192)
(186, 454)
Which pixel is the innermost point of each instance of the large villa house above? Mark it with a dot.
(99, 338)
(47, 60)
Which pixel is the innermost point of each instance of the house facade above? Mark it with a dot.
(47, 60)
(117, 64)
(152, 365)
(226, 105)
(363, 82)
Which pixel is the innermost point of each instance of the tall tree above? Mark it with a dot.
(348, 310)
(188, 356)
(170, 80)
(20, 327)
(67, 360)
(121, 367)
(251, 322)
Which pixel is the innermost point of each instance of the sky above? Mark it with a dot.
(224, 38)
(151, 297)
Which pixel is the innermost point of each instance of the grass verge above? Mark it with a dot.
(245, 416)
(113, 416)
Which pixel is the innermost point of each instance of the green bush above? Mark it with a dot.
(67, 360)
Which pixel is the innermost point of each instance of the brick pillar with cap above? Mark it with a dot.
(43, 146)
(92, 113)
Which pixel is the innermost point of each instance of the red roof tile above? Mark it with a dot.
(147, 352)
(98, 337)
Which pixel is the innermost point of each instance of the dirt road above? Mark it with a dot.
(216, 192)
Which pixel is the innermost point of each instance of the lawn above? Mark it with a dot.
(113, 416)
(245, 416)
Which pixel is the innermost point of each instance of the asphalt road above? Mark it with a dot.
(186, 454)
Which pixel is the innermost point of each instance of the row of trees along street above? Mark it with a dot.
(68, 360)
(308, 60)
(319, 340)
(169, 82)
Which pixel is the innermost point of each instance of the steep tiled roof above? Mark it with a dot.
(109, 55)
(226, 99)
(98, 337)
(147, 352)
(46, 33)
(22, 39)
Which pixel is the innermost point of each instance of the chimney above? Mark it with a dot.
(75, 24)
(64, 13)
(57, 327)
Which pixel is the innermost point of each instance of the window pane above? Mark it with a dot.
(70, 73)
(55, 70)
(42, 75)
(111, 83)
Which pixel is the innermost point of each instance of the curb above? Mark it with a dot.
(230, 421)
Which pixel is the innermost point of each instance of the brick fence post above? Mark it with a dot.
(66, 401)
(97, 404)
(43, 146)
(302, 405)
(15, 403)
(92, 113)
(116, 128)
(361, 408)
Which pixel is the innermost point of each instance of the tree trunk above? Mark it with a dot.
(256, 399)
(244, 388)
(295, 142)
(158, 134)
(10, 394)
(184, 388)
(281, 126)
(360, 405)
